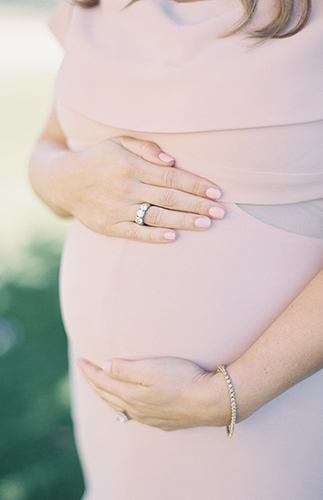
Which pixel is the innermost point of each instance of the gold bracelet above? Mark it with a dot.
(230, 427)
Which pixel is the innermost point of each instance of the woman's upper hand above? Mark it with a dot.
(105, 185)
(169, 393)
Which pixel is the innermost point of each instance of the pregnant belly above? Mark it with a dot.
(205, 297)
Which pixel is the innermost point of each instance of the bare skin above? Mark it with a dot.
(172, 393)
(103, 187)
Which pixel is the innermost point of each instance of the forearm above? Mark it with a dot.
(288, 352)
(45, 172)
(50, 166)
(173, 393)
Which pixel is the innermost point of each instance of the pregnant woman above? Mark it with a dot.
(187, 142)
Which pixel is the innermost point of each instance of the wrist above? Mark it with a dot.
(248, 392)
(60, 172)
(217, 408)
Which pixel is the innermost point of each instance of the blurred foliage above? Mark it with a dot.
(38, 460)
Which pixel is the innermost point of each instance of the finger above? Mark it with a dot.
(146, 234)
(133, 372)
(89, 369)
(180, 201)
(176, 178)
(118, 394)
(95, 375)
(160, 217)
(147, 150)
(114, 401)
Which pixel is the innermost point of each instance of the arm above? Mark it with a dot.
(172, 393)
(105, 185)
(288, 352)
(45, 161)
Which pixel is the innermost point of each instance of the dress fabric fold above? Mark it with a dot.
(250, 118)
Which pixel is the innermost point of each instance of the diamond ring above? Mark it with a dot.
(141, 214)
(122, 417)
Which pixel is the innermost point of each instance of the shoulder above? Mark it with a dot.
(60, 20)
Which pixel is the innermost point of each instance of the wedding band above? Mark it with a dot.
(141, 214)
(122, 417)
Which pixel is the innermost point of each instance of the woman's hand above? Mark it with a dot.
(169, 393)
(105, 185)
(172, 393)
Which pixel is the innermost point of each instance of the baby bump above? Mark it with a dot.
(205, 297)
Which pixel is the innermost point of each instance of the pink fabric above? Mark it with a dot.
(267, 165)
(206, 297)
(249, 118)
(125, 67)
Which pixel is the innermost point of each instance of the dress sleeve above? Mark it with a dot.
(60, 20)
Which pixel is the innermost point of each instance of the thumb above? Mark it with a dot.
(147, 150)
(133, 372)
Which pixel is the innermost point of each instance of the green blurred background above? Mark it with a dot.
(38, 460)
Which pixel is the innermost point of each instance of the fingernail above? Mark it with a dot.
(166, 158)
(169, 236)
(106, 366)
(203, 222)
(213, 193)
(216, 212)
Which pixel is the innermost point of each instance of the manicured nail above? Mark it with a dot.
(166, 158)
(216, 212)
(106, 366)
(169, 236)
(213, 193)
(203, 222)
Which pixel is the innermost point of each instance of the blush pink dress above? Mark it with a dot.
(250, 118)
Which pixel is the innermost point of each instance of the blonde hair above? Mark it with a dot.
(278, 27)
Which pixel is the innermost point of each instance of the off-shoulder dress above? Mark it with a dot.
(250, 118)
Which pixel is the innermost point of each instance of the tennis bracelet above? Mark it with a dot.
(233, 404)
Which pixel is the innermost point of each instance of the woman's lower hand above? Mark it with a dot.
(105, 185)
(168, 393)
